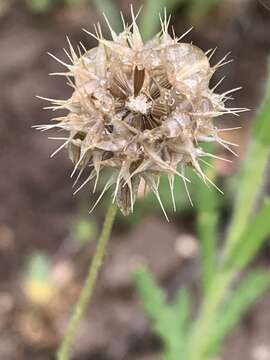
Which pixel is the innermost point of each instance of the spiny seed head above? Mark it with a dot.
(140, 110)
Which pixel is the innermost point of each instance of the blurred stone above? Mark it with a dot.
(186, 246)
(62, 273)
(261, 352)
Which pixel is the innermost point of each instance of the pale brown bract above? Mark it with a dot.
(140, 110)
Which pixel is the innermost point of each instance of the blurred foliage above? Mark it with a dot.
(196, 10)
(169, 321)
(208, 205)
(38, 267)
(108, 8)
(152, 9)
(41, 6)
(255, 283)
(38, 285)
(224, 299)
(246, 247)
(85, 230)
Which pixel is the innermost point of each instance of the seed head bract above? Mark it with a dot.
(140, 110)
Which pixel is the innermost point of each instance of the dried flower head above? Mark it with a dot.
(139, 109)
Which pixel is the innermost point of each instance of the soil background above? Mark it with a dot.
(38, 211)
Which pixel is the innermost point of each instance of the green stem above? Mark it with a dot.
(206, 323)
(87, 291)
(252, 173)
(248, 191)
(207, 227)
(207, 203)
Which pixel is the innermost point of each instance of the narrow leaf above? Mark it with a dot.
(207, 203)
(253, 286)
(261, 129)
(251, 241)
(252, 173)
(152, 296)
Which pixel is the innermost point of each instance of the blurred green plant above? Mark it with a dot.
(151, 11)
(108, 7)
(85, 230)
(38, 267)
(169, 321)
(43, 6)
(38, 286)
(39, 5)
(172, 323)
(208, 204)
(225, 298)
(196, 10)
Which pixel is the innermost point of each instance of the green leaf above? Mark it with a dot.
(253, 286)
(261, 128)
(109, 8)
(181, 306)
(150, 22)
(250, 242)
(169, 321)
(252, 172)
(152, 296)
(207, 202)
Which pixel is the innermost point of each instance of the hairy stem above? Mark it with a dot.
(87, 291)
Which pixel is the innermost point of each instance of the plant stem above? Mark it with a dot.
(248, 192)
(207, 203)
(87, 291)
(206, 322)
(252, 173)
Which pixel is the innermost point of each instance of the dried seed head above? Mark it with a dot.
(140, 110)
